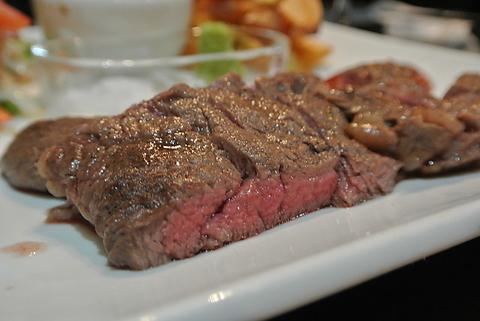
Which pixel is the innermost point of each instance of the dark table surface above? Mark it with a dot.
(444, 286)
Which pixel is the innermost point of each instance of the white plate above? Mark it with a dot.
(281, 269)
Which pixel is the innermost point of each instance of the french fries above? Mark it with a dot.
(298, 19)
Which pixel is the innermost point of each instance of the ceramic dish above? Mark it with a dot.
(281, 269)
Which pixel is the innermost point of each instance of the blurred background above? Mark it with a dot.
(448, 23)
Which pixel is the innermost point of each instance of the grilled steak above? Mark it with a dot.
(194, 169)
(402, 82)
(392, 112)
(362, 174)
(19, 161)
(465, 84)
(462, 102)
(190, 170)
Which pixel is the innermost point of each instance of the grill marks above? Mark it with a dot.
(362, 174)
(263, 141)
(195, 169)
(190, 170)
(140, 180)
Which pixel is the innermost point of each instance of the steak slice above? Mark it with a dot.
(195, 169)
(362, 174)
(19, 161)
(186, 172)
(403, 82)
(266, 141)
(464, 151)
(391, 111)
(146, 183)
(465, 84)
(462, 102)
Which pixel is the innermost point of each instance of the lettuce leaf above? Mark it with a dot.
(216, 37)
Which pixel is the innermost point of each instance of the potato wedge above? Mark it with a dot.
(309, 51)
(298, 19)
(301, 14)
(202, 11)
(264, 17)
(233, 11)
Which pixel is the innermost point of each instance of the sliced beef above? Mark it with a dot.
(264, 139)
(464, 151)
(461, 102)
(194, 169)
(412, 135)
(366, 74)
(420, 141)
(466, 84)
(371, 116)
(189, 171)
(362, 174)
(466, 108)
(146, 183)
(392, 112)
(400, 81)
(19, 161)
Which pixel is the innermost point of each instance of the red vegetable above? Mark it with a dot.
(11, 19)
(4, 116)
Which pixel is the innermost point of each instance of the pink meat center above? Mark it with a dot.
(210, 221)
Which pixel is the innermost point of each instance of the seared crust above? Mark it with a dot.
(19, 161)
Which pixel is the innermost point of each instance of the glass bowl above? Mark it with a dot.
(100, 77)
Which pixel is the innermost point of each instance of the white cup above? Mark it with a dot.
(140, 26)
